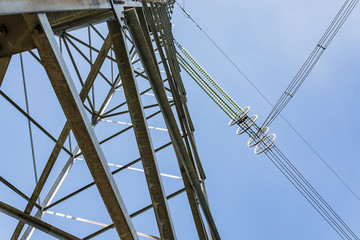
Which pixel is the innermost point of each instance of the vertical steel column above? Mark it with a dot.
(72, 106)
(164, 29)
(167, 39)
(150, 67)
(142, 135)
(178, 103)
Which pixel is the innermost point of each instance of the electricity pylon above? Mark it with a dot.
(114, 78)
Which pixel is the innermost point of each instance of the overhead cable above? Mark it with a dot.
(263, 96)
(223, 53)
(311, 61)
(258, 137)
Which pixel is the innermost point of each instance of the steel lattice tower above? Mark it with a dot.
(96, 111)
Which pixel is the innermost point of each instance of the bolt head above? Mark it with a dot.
(3, 31)
(38, 30)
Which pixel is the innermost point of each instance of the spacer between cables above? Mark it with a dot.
(258, 136)
(246, 124)
(240, 117)
(265, 144)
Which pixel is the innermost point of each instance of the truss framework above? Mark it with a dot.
(129, 48)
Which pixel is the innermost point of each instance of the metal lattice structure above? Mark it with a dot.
(112, 67)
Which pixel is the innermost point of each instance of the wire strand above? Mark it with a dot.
(312, 60)
(281, 100)
(29, 123)
(276, 156)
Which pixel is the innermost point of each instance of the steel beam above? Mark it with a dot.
(51, 194)
(37, 223)
(4, 63)
(138, 212)
(164, 28)
(69, 163)
(150, 66)
(32, 6)
(9, 100)
(61, 177)
(166, 34)
(93, 183)
(178, 103)
(71, 104)
(142, 134)
(178, 95)
(72, 20)
(16, 190)
(64, 133)
(145, 26)
(14, 37)
(8, 7)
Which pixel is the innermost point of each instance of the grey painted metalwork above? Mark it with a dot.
(42, 226)
(75, 113)
(66, 129)
(192, 201)
(150, 67)
(51, 194)
(148, 207)
(32, 6)
(17, 191)
(142, 135)
(37, 33)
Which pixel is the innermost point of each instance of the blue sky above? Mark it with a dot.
(269, 41)
(249, 197)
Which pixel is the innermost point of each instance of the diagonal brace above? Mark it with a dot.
(142, 135)
(71, 104)
(64, 134)
(150, 67)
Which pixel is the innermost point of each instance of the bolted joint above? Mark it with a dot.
(38, 30)
(3, 31)
(60, 33)
(125, 20)
(95, 118)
